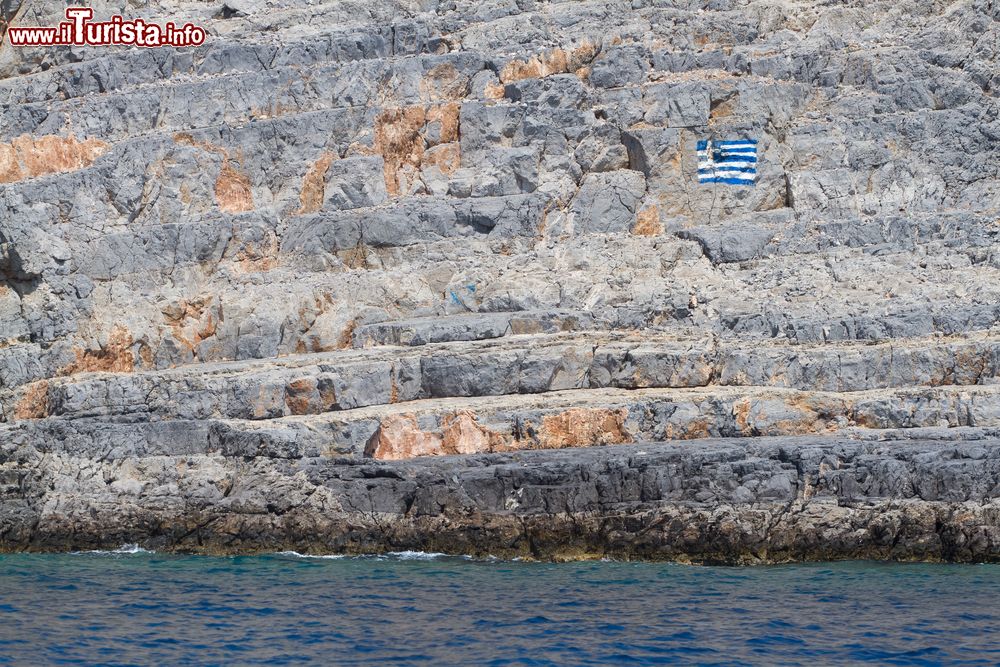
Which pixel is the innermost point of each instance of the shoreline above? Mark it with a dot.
(728, 502)
(430, 557)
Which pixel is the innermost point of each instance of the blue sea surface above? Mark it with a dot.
(414, 609)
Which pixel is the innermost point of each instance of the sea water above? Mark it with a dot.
(135, 607)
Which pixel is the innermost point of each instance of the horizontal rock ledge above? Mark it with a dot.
(740, 501)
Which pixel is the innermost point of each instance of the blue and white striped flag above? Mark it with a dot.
(732, 162)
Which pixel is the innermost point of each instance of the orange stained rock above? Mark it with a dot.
(403, 141)
(30, 157)
(232, 187)
(802, 416)
(193, 321)
(447, 115)
(555, 61)
(314, 184)
(494, 91)
(692, 430)
(741, 411)
(444, 82)
(115, 357)
(262, 256)
(34, 403)
(301, 396)
(584, 426)
(399, 437)
(445, 157)
(346, 339)
(647, 222)
(400, 142)
(464, 435)
(232, 190)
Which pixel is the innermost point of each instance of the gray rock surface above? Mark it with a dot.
(736, 502)
(338, 279)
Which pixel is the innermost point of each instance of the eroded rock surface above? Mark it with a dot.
(394, 252)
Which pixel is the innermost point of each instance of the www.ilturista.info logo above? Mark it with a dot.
(78, 30)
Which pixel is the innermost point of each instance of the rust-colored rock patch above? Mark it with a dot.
(398, 437)
(464, 435)
(794, 416)
(445, 157)
(448, 116)
(398, 139)
(194, 320)
(494, 91)
(263, 256)
(232, 187)
(346, 339)
(115, 357)
(444, 82)
(578, 427)
(723, 108)
(404, 136)
(647, 222)
(232, 190)
(34, 403)
(31, 157)
(692, 430)
(314, 184)
(554, 61)
(302, 397)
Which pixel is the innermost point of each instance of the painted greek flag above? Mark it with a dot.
(732, 162)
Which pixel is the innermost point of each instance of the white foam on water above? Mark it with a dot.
(296, 554)
(415, 555)
(125, 549)
(391, 555)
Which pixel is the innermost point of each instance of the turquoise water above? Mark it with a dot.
(143, 608)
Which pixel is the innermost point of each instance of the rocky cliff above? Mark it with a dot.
(341, 279)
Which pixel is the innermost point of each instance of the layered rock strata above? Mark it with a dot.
(440, 275)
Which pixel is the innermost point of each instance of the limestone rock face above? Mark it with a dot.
(341, 277)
